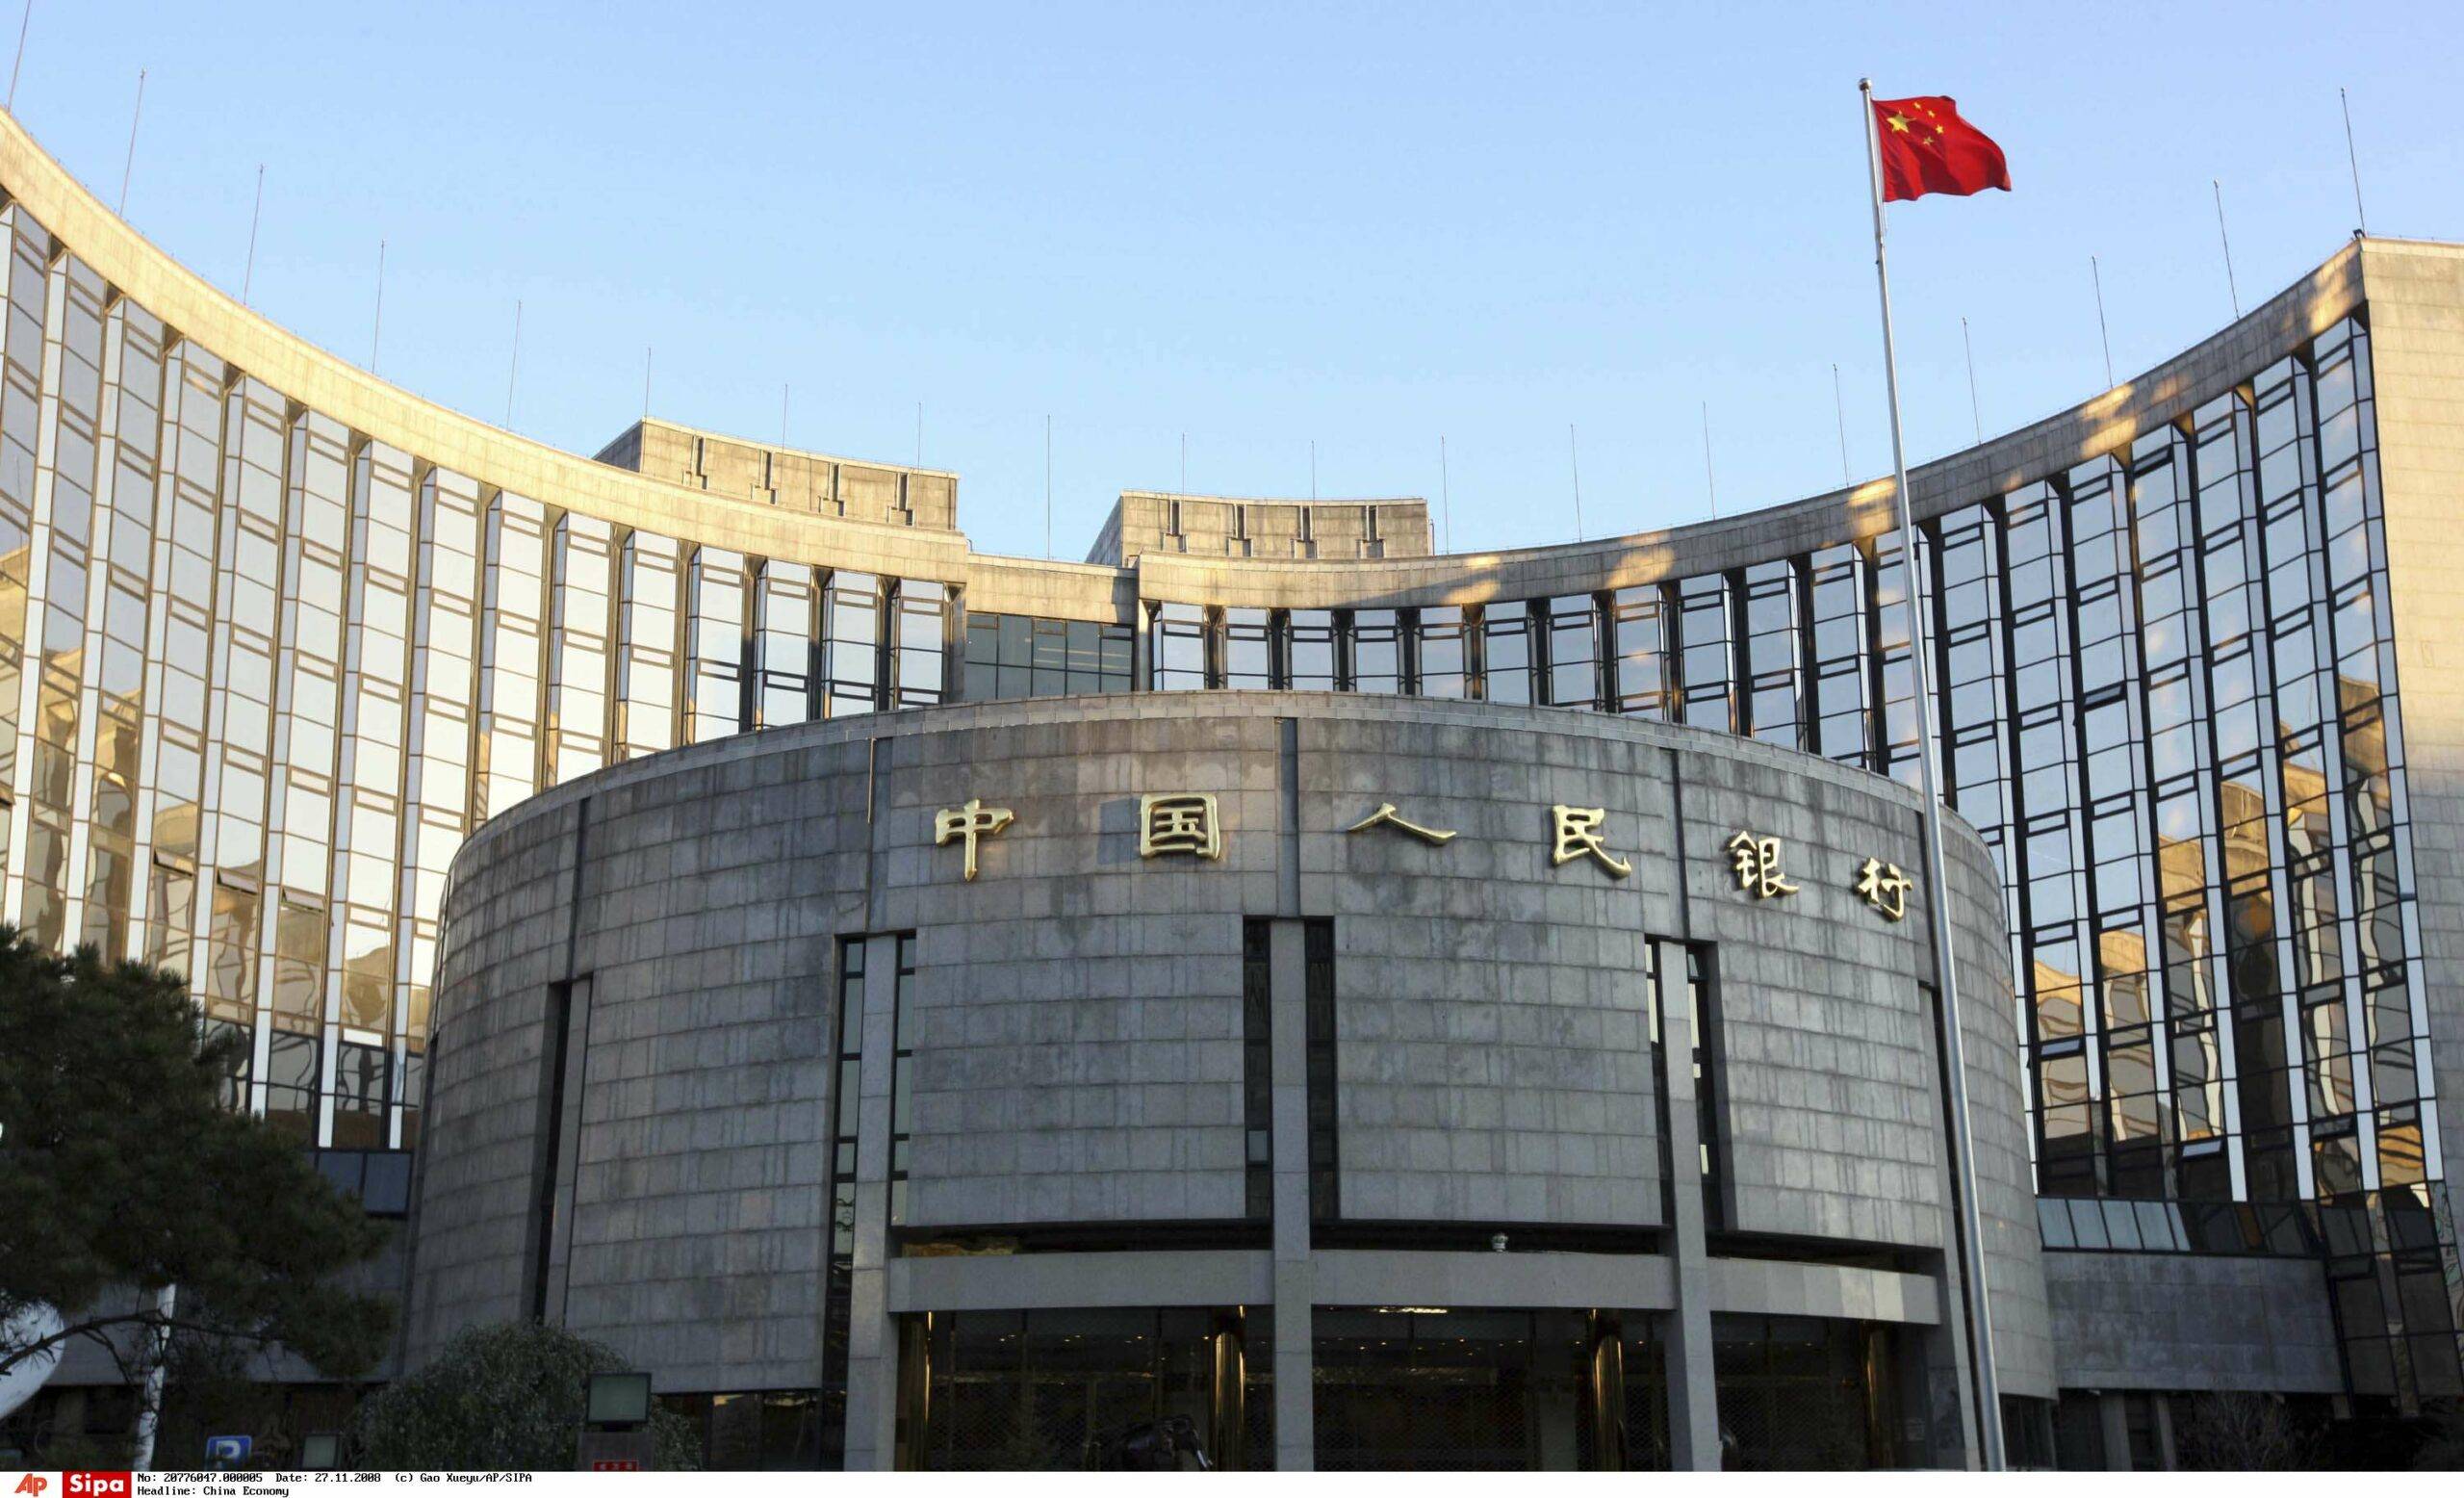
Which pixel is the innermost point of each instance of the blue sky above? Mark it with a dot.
(1260, 225)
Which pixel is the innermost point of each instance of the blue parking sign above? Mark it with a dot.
(227, 1448)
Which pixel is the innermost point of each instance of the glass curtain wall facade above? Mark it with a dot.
(260, 676)
(2165, 695)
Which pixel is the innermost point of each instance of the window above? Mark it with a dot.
(786, 620)
(1248, 649)
(916, 678)
(578, 659)
(512, 653)
(1011, 655)
(716, 646)
(1179, 636)
(1573, 652)
(1771, 699)
(1309, 645)
(902, 1075)
(1679, 976)
(1257, 1066)
(1318, 950)
(839, 1271)
(360, 1075)
(1506, 653)
(290, 1083)
(851, 647)
(1640, 637)
(1836, 585)
(1376, 642)
(1895, 685)
(1702, 628)
(1444, 650)
(646, 649)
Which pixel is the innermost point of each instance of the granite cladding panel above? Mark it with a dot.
(1075, 1021)
(699, 1196)
(2184, 1321)
(1826, 1066)
(506, 937)
(1076, 1013)
(1493, 1050)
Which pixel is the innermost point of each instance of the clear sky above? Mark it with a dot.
(1259, 225)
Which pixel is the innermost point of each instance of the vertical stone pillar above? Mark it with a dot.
(1950, 1404)
(1953, 1431)
(2115, 1416)
(1693, 1396)
(872, 1339)
(1295, 1424)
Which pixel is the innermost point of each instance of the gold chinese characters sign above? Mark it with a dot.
(1181, 822)
(1387, 816)
(1755, 860)
(1577, 834)
(1192, 822)
(1884, 888)
(970, 821)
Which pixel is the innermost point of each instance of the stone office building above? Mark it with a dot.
(569, 838)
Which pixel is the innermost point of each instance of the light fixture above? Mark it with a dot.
(618, 1400)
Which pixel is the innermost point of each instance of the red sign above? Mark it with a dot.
(94, 1484)
(612, 1464)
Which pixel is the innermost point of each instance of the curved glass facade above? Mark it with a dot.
(261, 671)
(2168, 701)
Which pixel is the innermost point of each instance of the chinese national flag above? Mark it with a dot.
(1926, 148)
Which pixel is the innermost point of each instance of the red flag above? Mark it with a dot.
(1926, 148)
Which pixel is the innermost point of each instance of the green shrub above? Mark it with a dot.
(501, 1398)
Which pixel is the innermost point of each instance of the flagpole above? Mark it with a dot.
(1980, 1324)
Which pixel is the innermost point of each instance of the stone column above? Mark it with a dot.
(872, 1337)
(1693, 1396)
(2115, 1419)
(1295, 1424)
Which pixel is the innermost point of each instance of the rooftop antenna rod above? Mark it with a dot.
(377, 333)
(1047, 488)
(1976, 411)
(130, 165)
(2230, 287)
(2098, 276)
(1445, 494)
(2349, 153)
(514, 369)
(1839, 409)
(23, 22)
(248, 278)
(1574, 464)
(1711, 485)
